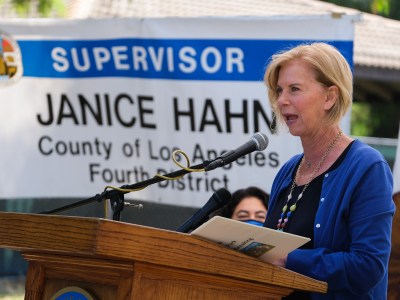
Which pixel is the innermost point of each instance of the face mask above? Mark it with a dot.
(253, 222)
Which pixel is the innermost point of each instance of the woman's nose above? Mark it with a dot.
(283, 98)
(255, 216)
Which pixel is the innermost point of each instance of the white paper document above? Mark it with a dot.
(263, 243)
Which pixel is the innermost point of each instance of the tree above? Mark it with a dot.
(44, 8)
(384, 8)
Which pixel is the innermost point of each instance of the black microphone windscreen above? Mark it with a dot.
(218, 199)
(224, 196)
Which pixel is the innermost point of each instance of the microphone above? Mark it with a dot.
(217, 200)
(258, 141)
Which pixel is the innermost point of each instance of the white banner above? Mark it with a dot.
(93, 103)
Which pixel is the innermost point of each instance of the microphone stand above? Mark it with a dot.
(117, 197)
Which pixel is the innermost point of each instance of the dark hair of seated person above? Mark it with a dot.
(252, 191)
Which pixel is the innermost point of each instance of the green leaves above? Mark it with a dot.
(45, 8)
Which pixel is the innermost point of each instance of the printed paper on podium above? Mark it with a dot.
(263, 243)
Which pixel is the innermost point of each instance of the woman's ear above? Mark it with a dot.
(331, 97)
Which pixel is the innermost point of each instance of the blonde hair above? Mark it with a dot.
(331, 69)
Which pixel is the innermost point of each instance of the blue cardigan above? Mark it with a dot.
(352, 229)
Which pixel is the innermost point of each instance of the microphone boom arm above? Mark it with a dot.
(117, 196)
(259, 141)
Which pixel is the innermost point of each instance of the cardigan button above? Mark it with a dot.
(318, 225)
(322, 199)
(327, 174)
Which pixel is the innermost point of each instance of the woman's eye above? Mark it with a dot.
(261, 215)
(295, 89)
(242, 215)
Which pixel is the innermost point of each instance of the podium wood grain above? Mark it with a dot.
(116, 260)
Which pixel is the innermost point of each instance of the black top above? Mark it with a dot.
(301, 222)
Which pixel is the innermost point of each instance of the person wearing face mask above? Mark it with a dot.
(248, 205)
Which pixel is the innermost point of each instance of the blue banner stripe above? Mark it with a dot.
(194, 59)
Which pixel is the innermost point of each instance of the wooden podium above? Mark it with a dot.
(116, 260)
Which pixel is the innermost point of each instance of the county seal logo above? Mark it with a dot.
(10, 60)
(72, 293)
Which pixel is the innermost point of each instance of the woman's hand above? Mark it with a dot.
(281, 262)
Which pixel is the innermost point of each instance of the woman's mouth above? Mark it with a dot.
(290, 119)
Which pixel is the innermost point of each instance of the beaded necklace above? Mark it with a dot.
(284, 220)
